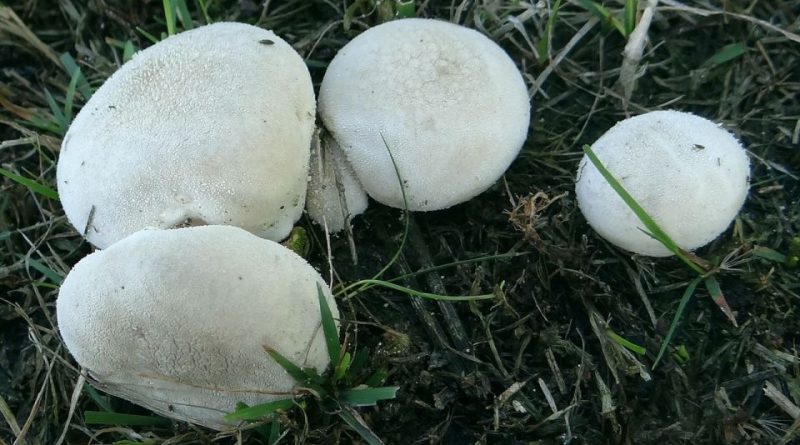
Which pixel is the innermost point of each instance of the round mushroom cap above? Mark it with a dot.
(176, 320)
(447, 101)
(210, 126)
(334, 194)
(688, 173)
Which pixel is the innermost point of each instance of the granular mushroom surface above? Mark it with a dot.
(176, 320)
(210, 126)
(688, 173)
(446, 100)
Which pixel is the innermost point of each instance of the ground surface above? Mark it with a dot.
(540, 364)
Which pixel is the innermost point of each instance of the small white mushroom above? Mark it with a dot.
(334, 193)
(688, 173)
(449, 103)
(175, 320)
(210, 126)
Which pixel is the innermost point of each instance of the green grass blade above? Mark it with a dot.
(329, 329)
(654, 229)
(500, 256)
(354, 421)
(69, 101)
(204, 10)
(46, 271)
(297, 374)
(128, 51)
(183, 14)
(368, 396)
(71, 66)
(416, 293)
(147, 35)
(726, 54)
(258, 412)
(343, 366)
(769, 254)
(98, 398)
(627, 344)
(687, 295)
(603, 13)
(712, 285)
(405, 9)
(34, 186)
(58, 115)
(543, 47)
(169, 17)
(105, 418)
(630, 16)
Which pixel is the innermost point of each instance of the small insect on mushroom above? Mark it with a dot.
(671, 162)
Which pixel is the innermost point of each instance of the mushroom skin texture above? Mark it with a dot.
(332, 184)
(210, 126)
(447, 101)
(687, 172)
(175, 320)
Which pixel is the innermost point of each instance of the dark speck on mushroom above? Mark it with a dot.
(266, 42)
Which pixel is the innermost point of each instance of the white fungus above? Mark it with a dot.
(334, 193)
(449, 103)
(688, 173)
(175, 320)
(210, 126)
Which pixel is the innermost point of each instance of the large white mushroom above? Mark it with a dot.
(210, 126)
(449, 103)
(175, 320)
(688, 173)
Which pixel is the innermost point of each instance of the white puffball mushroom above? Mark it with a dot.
(334, 193)
(688, 173)
(175, 320)
(449, 103)
(210, 126)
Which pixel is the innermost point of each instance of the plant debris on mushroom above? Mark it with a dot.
(210, 126)
(688, 173)
(176, 320)
(447, 101)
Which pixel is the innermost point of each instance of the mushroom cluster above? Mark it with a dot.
(212, 128)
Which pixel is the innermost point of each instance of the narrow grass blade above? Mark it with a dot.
(34, 186)
(500, 256)
(343, 366)
(627, 344)
(128, 51)
(147, 35)
(98, 398)
(687, 295)
(46, 271)
(712, 285)
(329, 329)
(376, 378)
(69, 101)
(258, 412)
(654, 229)
(105, 418)
(55, 110)
(297, 374)
(726, 54)
(405, 9)
(183, 14)
(71, 66)
(630, 16)
(204, 10)
(169, 16)
(769, 254)
(543, 47)
(416, 293)
(603, 13)
(9, 417)
(368, 396)
(354, 420)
